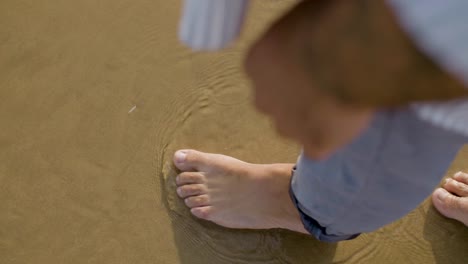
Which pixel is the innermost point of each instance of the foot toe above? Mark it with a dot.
(189, 178)
(188, 159)
(450, 205)
(191, 190)
(197, 201)
(456, 187)
(461, 177)
(204, 212)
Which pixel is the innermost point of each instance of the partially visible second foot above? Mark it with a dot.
(236, 194)
(452, 199)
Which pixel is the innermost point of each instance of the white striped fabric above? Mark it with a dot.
(452, 116)
(211, 24)
(440, 29)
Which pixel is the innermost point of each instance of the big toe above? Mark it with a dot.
(450, 205)
(189, 160)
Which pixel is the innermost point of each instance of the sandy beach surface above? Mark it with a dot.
(95, 96)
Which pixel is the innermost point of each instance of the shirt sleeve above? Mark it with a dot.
(440, 29)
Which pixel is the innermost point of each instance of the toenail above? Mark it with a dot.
(180, 156)
(442, 196)
(179, 191)
(446, 181)
(458, 174)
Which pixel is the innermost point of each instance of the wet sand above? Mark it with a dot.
(94, 98)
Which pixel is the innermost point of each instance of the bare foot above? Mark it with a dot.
(236, 194)
(452, 199)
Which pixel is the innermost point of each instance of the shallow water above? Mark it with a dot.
(94, 98)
